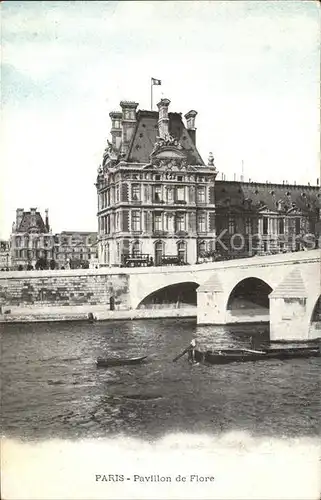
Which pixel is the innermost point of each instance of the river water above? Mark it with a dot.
(52, 389)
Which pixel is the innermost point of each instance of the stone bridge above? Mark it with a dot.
(282, 289)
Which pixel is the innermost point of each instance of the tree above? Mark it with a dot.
(41, 263)
(52, 264)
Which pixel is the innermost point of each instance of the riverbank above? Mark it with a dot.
(80, 313)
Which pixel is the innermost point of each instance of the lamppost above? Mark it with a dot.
(7, 258)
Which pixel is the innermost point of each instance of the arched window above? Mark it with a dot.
(202, 248)
(136, 248)
(181, 251)
(158, 253)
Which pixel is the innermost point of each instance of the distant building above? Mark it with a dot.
(155, 194)
(5, 256)
(31, 239)
(271, 218)
(34, 244)
(74, 249)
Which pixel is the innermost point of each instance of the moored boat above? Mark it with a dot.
(106, 362)
(225, 356)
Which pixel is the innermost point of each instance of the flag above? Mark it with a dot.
(156, 82)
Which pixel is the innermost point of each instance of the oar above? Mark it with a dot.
(181, 354)
(255, 352)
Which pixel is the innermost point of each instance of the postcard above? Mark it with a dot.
(160, 250)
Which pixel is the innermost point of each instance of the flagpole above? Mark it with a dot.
(151, 94)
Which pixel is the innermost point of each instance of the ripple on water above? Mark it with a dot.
(51, 383)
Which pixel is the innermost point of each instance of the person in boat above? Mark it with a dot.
(191, 351)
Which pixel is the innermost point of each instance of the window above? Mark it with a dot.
(117, 193)
(231, 225)
(170, 222)
(281, 226)
(135, 192)
(248, 225)
(201, 194)
(117, 221)
(297, 226)
(201, 223)
(265, 225)
(181, 251)
(265, 246)
(158, 193)
(157, 177)
(18, 241)
(180, 193)
(179, 177)
(282, 246)
(135, 220)
(157, 221)
(202, 248)
(135, 248)
(180, 222)
(170, 195)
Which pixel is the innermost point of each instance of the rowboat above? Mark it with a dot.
(225, 356)
(106, 362)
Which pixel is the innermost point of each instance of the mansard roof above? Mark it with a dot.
(276, 198)
(32, 221)
(146, 132)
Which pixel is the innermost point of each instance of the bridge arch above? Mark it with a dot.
(249, 296)
(182, 294)
(316, 312)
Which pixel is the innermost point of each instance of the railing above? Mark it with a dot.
(158, 233)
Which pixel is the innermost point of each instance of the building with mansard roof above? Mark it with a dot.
(31, 238)
(155, 193)
(268, 218)
(158, 201)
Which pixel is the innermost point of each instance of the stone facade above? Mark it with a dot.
(5, 256)
(159, 203)
(155, 194)
(32, 240)
(74, 249)
(271, 218)
(58, 288)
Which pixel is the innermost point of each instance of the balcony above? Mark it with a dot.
(180, 202)
(159, 233)
(181, 233)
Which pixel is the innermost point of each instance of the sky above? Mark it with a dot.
(250, 69)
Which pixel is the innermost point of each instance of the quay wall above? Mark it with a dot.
(41, 289)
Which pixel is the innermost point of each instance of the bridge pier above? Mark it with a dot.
(288, 319)
(288, 309)
(211, 303)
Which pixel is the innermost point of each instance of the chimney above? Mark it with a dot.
(128, 123)
(19, 215)
(33, 217)
(190, 124)
(47, 220)
(163, 119)
(116, 129)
